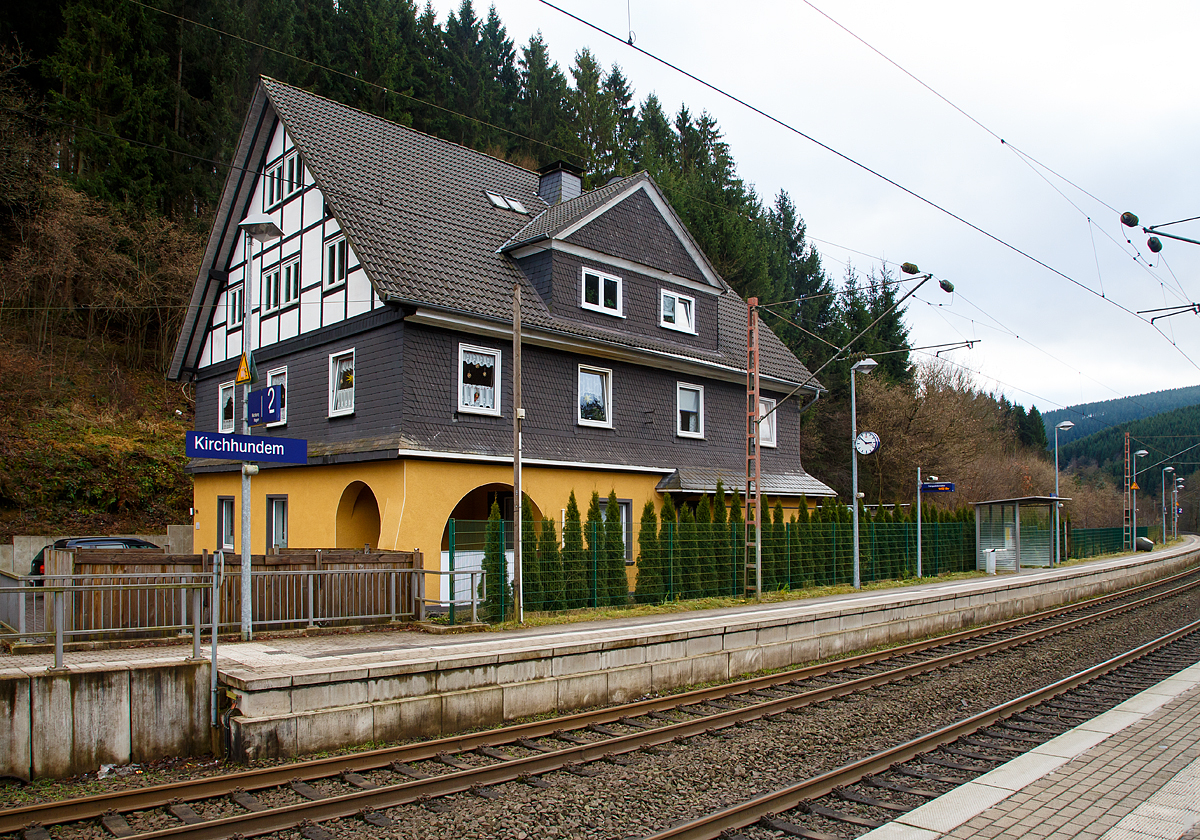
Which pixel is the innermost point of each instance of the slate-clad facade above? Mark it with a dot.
(385, 311)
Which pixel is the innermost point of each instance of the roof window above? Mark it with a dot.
(506, 203)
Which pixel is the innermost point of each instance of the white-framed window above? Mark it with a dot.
(225, 407)
(341, 383)
(677, 312)
(767, 424)
(478, 378)
(595, 396)
(291, 281)
(277, 523)
(272, 288)
(235, 305)
(689, 403)
(335, 262)
(273, 185)
(225, 522)
(625, 510)
(278, 377)
(601, 292)
(293, 174)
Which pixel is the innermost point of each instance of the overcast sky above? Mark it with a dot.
(1103, 93)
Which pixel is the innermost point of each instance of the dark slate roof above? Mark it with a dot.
(704, 480)
(415, 211)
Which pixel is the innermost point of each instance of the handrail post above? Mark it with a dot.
(311, 617)
(217, 570)
(475, 598)
(196, 621)
(392, 594)
(452, 592)
(58, 629)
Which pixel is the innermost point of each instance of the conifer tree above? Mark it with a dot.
(686, 551)
(668, 547)
(531, 567)
(737, 556)
(721, 543)
(706, 577)
(495, 589)
(574, 559)
(593, 537)
(614, 549)
(649, 587)
(778, 548)
(550, 561)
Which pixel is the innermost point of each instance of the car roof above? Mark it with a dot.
(105, 542)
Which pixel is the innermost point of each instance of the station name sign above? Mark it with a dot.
(937, 487)
(247, 448)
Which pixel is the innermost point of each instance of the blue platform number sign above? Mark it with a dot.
(264, 405)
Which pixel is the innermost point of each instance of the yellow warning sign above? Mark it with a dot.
(245, 374)
(1134, 486)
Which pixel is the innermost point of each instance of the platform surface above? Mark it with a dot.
(1131, 774)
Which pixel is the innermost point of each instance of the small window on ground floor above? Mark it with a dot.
(277, 523)
(225, 526)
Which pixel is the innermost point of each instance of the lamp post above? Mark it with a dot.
(1164, 500)
(1063, 426)
(1175, 508)
(262, 229)
(864, 366)
(1141, 453)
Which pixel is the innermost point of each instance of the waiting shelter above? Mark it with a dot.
(1019, 531)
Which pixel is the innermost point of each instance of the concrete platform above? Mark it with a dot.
(293, 695)
(1133, 773)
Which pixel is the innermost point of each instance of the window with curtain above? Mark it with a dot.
(341, 383)
(225, 399)
(690, 399)
(478, 374)
(278, 378)
(767, 424)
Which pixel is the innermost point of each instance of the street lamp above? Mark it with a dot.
(1063, 426)
(1175, 509)
(865, 366)
(262, 229)
(1164, 500)
(1141, 453)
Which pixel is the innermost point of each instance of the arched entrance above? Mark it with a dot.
(470, 532)
(357, 518)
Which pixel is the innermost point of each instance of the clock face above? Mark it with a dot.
(866, 443)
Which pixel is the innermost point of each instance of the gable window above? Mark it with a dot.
(273, 185)
(225, 523)
(293, 174)
(601, 292)
(225, 419)
(690, 405)
(272, 289)
(595, 397)
(341, 383)
(677, 312)
(291, 281)
(335, 262)
(235, 305)
(278, 378)
(767, 424)
(478, 373)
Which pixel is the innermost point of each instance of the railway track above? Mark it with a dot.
(364, 784)
(867, 793)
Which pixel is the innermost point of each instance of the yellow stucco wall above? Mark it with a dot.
(415, 498)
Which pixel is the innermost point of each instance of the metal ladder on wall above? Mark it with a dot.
(753, 451)
(1127, 532)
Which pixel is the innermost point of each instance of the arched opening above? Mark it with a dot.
(357, 517)
(470, 531)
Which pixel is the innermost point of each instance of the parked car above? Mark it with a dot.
(38, 567)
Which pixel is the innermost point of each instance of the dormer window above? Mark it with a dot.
(602, 292)
(677, 312)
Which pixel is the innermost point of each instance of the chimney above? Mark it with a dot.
(560, 181)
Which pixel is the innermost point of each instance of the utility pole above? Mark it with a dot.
(518, 416)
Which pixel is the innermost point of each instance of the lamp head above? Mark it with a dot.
(1141, 453)
(865, 366)
(1064, 425)
(261, 226)
(1168, 469)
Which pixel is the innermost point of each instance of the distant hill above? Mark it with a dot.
(1090, 418)
(1164, 436)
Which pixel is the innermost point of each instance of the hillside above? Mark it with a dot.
(88, 444)
(1090, 418)
(1172, 438)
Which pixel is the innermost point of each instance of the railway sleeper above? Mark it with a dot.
(306, 790)
(975, 755)
(376, 818)
(977, 742)
(534, 745)
(873, 781)
(492, 752)
(793, 830)
(404, 770)
(247, 801)
(312, 831)
(355, 780)
(851, 796)
(184, 813)
(35, 832)
(925, 774)
(954, 765)
(116, 825)
(840, 816)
